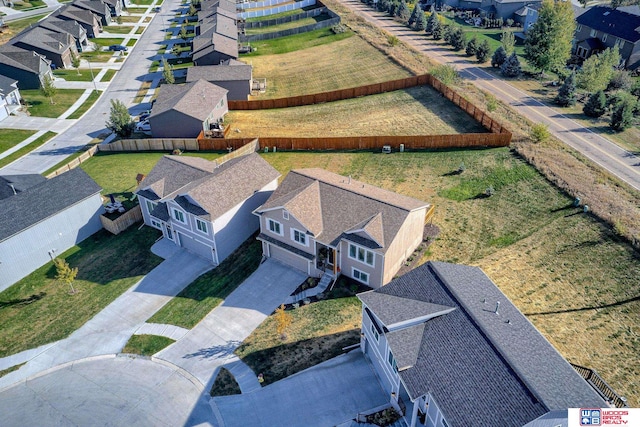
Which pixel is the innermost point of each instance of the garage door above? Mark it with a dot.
(195, 247)
(288, 258)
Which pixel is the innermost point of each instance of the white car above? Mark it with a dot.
(143, 126)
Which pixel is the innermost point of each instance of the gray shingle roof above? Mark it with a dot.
(480, 369)
(328, 205)
(44, 200)
(60, 25)
(196, 99)
(219, 73)
(44, 39)
(81, 15)
(214, 189)
(19, 182)
(615, 22)
(23, 59)
(7, 84)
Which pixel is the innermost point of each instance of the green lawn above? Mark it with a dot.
(108, 75)
(95, 94)
(296, 42)
(14, 27)
(26, 149)
(97, 55)
(146, 345)
(209, 290)
(11, 137)
(105, 42)
(38, 310)
(136, 10)
(288, 25)
(118, 29)
(73, 75)
(41, 106)
(131, 42)
(132, 19)
(31, 4)
(142, 2)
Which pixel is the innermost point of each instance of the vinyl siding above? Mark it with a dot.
(406, 241)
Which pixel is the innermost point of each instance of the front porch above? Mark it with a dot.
(326, 260)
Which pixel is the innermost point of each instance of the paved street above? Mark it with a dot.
(617, 161)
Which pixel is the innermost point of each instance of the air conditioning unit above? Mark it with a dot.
(386, 149)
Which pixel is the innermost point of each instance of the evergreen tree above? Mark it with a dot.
(508, 41)
(456, 38)
(549, 41)
(383, 5)
(417, 10)
(567, 92)
(432, 22)
(499, 57)
(437, 31)
(120, 121)
(511, 67)
(482, 51)
(421, 23)
(635, 89)
(472, 47)
(167, 72)
(403, 11)
(446, 33)
(597, 70)
(622, 116)
(596, 106)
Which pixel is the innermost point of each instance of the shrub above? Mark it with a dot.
(472, 47)
(596, 106)
(499, 57)
(492, 103)
(621, 80)
(539, 132)
(511, 67)
(447, 74)
(622, 116)
(567, 92)
(339, 28)
(392, 40)
(482, 51)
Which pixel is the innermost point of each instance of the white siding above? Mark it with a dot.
(29, 250)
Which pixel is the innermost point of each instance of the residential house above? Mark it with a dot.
(602, 27)
(9, 97)
(216, 35)
(76, 30)
(183, 111)
(56, 47)
(526, 16)
(450, 349)
(89, 21)
(98, 7)
(323, 223)
(205, 207)
(494, 9)
(233, 75)
(26, 66)
(115, 7)
(43, 218)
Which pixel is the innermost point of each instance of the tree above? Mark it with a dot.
(75, 61)
(511, 67)
(48, 88)
(457, 39)
(403, 11)
(437, 31)
(446, 33)
(167, 72)
(432, 22)
(415, 14)
(65, 274)
(567, 92)
(548, 45)
(192, 10)
(621, 80)
(635, 89)
(421, 23)
(596, 106)
(183, 32)
(499, 57)
(508, 41)
(482, 51)
(622, 116)
(283, 320)
(597, 70)
(120, 121)
(472, 47)
(539, 132)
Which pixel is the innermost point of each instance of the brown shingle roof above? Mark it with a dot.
(220, 73)
(196, 99)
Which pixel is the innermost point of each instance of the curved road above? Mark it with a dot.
(619, 162)
(124, 86)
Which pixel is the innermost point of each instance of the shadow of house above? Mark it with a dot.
(233, 75)
(602, 27)
(55, 46)
(183, 111)
(204, 207)
(443, 328)
(26, 66)
(89, 21)
(69, 27)
(43, 218)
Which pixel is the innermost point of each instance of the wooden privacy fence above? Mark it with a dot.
(124, 221)
(75, 162)
(151, 144)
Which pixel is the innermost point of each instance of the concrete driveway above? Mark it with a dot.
(211, 342)
(328, 394)
(120, 391)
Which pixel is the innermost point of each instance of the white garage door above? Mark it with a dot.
(288, 258)
(195, 247)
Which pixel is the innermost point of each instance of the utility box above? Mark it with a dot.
(386, 149)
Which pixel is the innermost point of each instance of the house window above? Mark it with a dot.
(361, 276)
(593, 33)
(275, 227)
(619, 43)
(361, 254)
(375, 333)
(298, 236)
(156, 224)
(179, 216)
(285, 215)
(392, 361)
(201, 226)
(150, 205)
(444, 423)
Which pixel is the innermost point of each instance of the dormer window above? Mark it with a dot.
(285, 215)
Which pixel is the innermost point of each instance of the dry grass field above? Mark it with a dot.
(565, 270)
(415, 111)
(324, 68)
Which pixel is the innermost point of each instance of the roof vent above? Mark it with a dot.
(607, 13)
(497, 307)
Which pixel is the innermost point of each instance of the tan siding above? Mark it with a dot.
(408, 238)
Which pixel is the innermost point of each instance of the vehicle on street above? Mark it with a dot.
(118, 47)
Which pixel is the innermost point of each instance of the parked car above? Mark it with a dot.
(143, 126)
(144, 115)
(118, 47)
